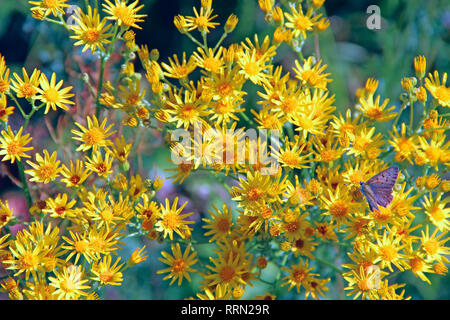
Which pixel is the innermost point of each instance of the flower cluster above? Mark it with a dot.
(306, 218)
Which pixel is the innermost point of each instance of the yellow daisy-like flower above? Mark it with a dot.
(437, 89)
(46, 169)
(292, 154)
(52, 95)
(107, 274)
(99, 165)
(374, 111)
(13, 146)
(338, 205)
(227, 271)
(312, 74)
(5, 111)
(69, 282)
(209, 60)
(388, 249)
(220, 223)
(171, 220)
(252, 66)
(202, 20)
(437, 211)
(5, 215)
(94, 136)
(403, 145)
(252, 193)
(179, 70)
(188, 111)
(299, 275)
(433, 246)
(74, 176)
(180, 264)
(124, 14)
(4, 75)
(299, 22)
(90, 31)
(28, 87)
(59, 207)
(47, 7)
(78, 246)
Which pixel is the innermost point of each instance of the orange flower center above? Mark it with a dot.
(254, 194)
(93, 136)
(91, 35)
(227, 273)
(27, 90)
(179, 266)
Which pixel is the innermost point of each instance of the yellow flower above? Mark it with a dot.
(374, 111)
(251, 193)
(4, 75)
(292, 154)
(220, 223)
(339, 205)
(227, 271)
(362, 282)
(433, 246)
(439, 91)
(137, 256)
(69, 282)
(90, 31)
(311, 73)
(5, 216)
(179, 70)
(299, 275)
(46, 169)
(180, 264)
(202, 20)
(5, 111)
(28, 87)
(47, 7)
(52, 95)
(171, 220)
(437, 211)
(59, 207)
(299, 22)
(94, 136)
(77, 245)
(124, 14)
(107, 274)
(121, 150)
(388, 249)
(420, 66)
(403, 145)
(252, 66)
(209, 60)
(75, 176)
(13, 146)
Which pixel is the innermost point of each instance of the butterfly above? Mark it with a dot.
(378, 189)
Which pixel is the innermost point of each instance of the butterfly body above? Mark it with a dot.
(378, 189)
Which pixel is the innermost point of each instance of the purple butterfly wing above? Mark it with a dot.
(385, 178)
(370, 196)
(382, 184)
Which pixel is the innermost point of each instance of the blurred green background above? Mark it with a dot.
(352, 52)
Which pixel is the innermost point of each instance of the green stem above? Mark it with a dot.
(24, 184)
(193, 39)
(17, 104)
(220, 41)
(411, 117)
